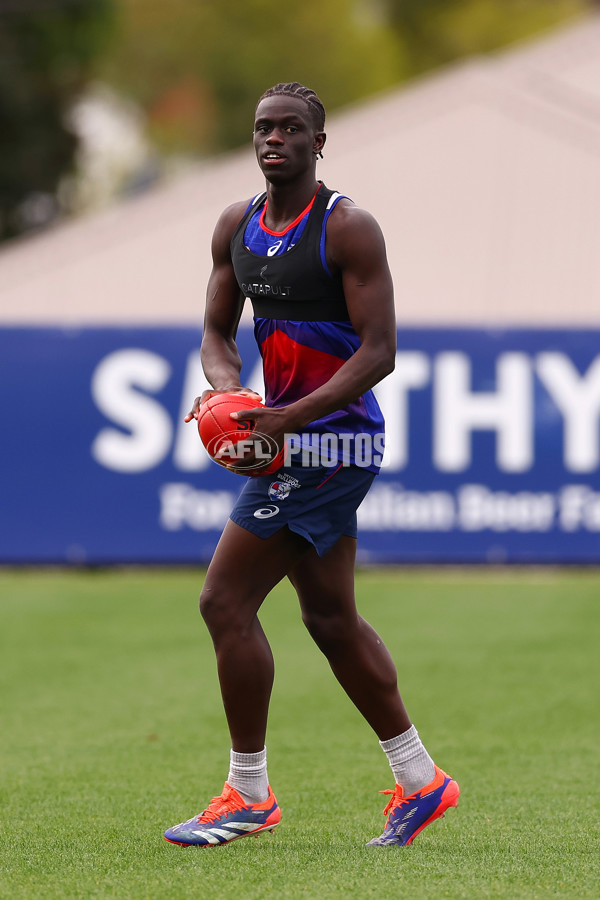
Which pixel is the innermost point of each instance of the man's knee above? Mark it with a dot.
(331, 633)
(217, 608)
(226, 610)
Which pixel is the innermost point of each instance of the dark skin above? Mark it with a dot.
(286, 144)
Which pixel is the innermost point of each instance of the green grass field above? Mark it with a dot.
(112, 730)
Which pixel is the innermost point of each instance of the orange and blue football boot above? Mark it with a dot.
(408, 816)
(227, 818)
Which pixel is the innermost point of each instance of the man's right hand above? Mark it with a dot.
(206, 395)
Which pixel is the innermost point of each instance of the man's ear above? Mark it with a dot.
(319, 142)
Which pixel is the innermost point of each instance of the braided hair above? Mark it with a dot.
(295, 89)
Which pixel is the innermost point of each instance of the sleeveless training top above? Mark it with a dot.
(301, 322)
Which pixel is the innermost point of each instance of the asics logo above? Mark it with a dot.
(274, 248)
(266, 512)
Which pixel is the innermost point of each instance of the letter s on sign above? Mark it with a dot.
(114, 390)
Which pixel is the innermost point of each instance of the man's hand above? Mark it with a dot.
(206, 395)
(270, 427)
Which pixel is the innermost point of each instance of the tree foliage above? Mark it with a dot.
(47, 48)
(198, 67)
(434, 32)
(220, 55)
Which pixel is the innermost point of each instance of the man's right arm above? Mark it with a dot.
(220, 357)
(224, 302)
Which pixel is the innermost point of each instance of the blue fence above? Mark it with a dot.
(493, 448)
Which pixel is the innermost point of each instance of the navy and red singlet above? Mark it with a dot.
(301, 322)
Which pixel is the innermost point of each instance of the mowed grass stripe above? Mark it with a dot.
(112, 730)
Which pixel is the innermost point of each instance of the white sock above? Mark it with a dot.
(409, 760)
(248, 775)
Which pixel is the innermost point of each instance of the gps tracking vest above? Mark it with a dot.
(294, 285)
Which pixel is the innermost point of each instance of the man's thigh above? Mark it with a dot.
(247, 567)
(325, 584)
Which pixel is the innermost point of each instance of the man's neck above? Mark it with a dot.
(286, 202)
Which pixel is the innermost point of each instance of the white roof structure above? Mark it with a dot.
(485, 179)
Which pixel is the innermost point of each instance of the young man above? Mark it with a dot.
(314, 267)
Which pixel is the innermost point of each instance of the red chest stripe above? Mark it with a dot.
(293, 370)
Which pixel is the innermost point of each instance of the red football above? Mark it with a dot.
(219, 432)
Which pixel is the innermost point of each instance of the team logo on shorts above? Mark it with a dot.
(279, 490)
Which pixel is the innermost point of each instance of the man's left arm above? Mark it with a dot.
(356, 249)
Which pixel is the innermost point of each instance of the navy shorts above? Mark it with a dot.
(317, 503)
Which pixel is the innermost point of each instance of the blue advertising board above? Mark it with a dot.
(492, 451)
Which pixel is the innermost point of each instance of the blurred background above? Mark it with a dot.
(100, 98)
(470, 128)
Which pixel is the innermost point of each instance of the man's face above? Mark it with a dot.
(285, 139)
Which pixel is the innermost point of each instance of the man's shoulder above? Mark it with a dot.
(233, 213)
(230, 218)
(353, 233)
(347, 218)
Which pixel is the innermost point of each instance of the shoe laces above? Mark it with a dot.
(217, 807)
(397, 798)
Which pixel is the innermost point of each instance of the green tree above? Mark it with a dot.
(47, 48)
(198, 67)
(433, 32)
(340, 49)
